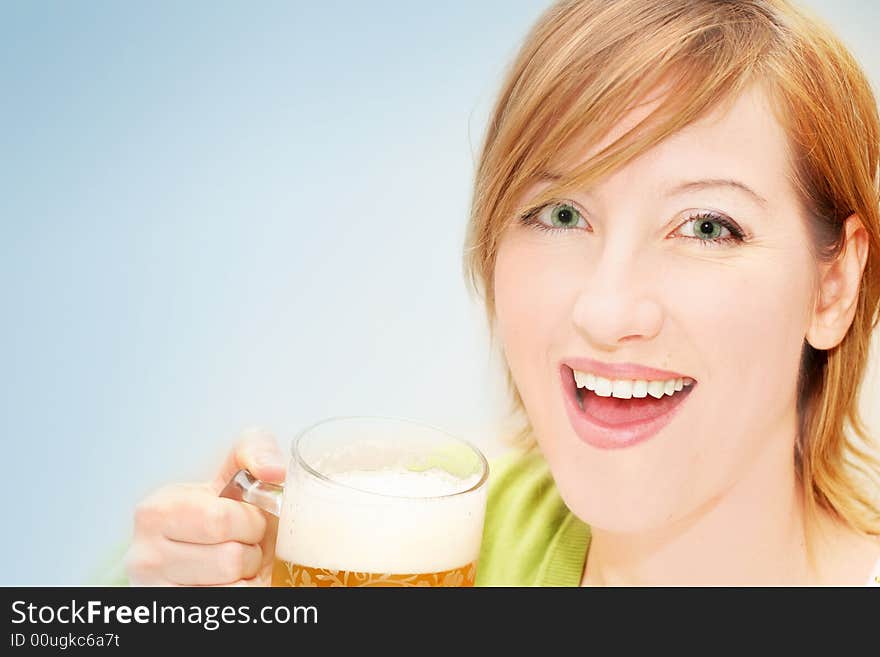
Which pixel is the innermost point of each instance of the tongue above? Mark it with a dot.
(612, 410)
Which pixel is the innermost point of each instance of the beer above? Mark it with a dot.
(379, 528)
(289, 574)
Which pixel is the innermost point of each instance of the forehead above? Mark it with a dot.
(740, 140)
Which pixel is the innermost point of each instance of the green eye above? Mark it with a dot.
(556, 217)
(712, 230)
(708, 229)
(564, 216)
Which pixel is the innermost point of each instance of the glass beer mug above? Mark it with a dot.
(371, 501)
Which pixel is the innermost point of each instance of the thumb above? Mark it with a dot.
(256, 451)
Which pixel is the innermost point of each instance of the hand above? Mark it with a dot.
(184, 534)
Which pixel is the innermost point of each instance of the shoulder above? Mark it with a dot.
(523, 515)
(847, 556)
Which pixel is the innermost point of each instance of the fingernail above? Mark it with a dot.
(268, 459)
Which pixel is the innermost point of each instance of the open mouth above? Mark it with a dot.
(617, 413)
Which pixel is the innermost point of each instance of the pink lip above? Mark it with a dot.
(605, 436)
(620, 370)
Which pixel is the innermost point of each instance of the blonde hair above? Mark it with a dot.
(582, 67)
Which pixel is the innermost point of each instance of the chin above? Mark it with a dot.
(618, 512)
(621, 497)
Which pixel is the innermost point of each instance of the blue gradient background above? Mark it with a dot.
(220, 214)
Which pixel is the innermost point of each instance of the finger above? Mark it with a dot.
(256, 451)
(268, 543)
(209, 520)
(201, 565)
(143, 565)
(193, 513)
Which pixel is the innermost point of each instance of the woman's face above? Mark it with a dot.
(692, 259)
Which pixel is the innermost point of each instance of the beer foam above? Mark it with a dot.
(429, 483)
(381, 521)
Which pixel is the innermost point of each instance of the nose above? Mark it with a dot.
(619, 301)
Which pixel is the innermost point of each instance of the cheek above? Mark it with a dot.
(747, 324)
(533, 297)
(743, 329)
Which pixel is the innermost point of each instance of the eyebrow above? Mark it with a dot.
(688, 186)
(695, 185)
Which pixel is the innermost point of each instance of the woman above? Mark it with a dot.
(676, 232)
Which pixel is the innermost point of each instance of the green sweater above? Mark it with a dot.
(530, 538)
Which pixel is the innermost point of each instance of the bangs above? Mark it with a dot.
(689, 58)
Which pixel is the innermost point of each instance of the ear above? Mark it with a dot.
(838, 294)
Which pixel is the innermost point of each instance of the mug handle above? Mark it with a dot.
(244, 487)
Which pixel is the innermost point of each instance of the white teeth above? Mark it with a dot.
(622, 389)
(628, 388)
(656, 388)
(603, 387)
(640, 389)
(585, 380)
